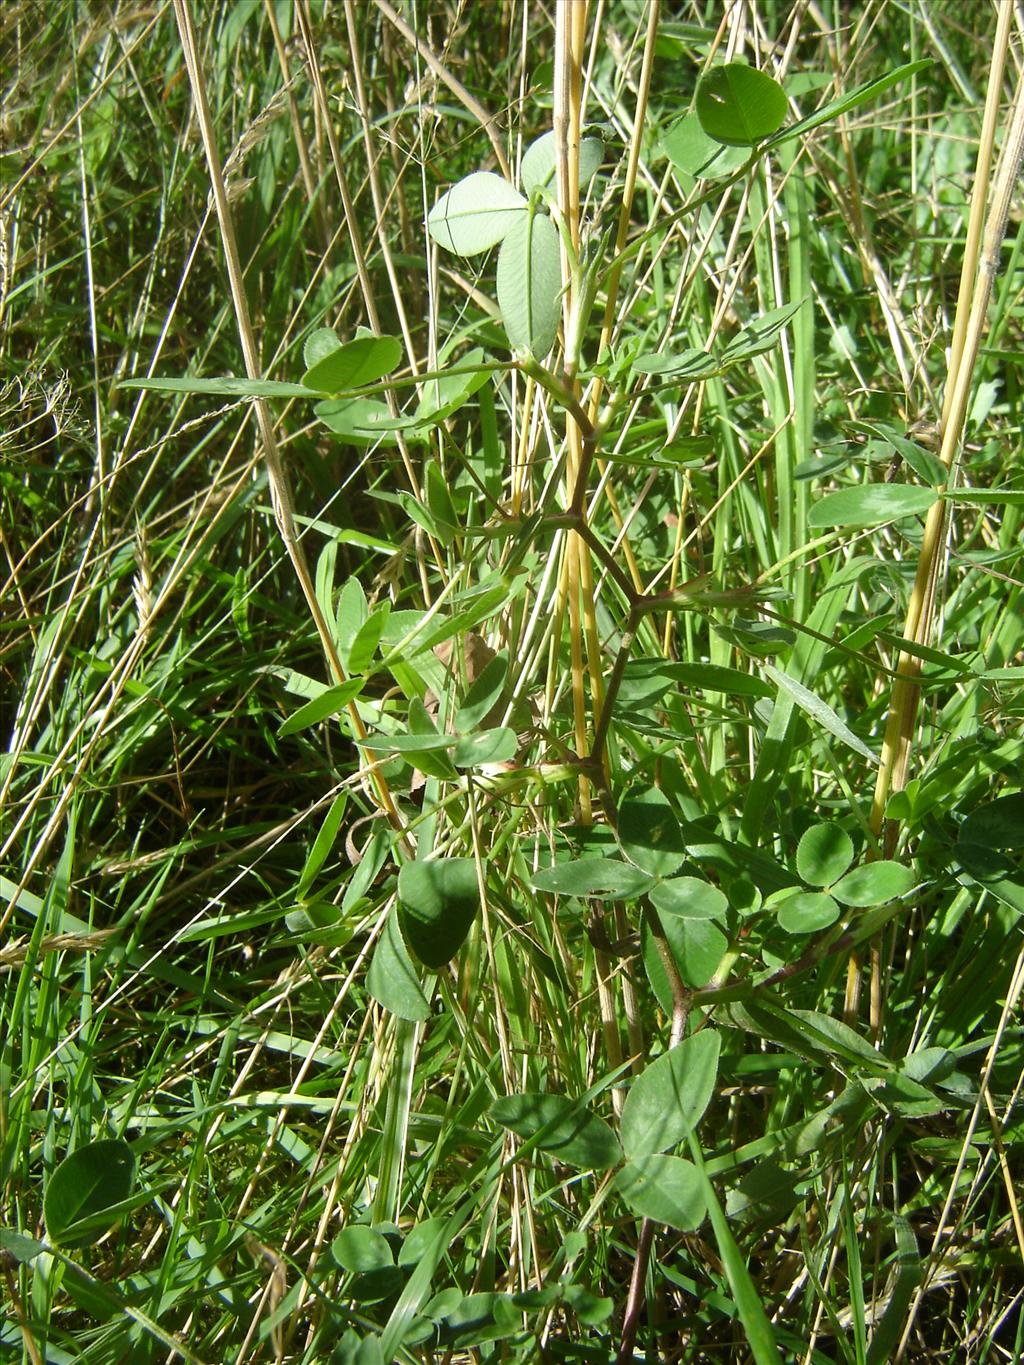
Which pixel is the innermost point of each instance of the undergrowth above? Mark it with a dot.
(511, 812)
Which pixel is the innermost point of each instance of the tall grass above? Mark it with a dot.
(342, 1156)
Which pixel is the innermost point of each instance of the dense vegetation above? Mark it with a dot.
(511, 815)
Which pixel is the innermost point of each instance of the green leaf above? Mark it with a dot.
(318, 922)
(689, 898)
(367, 638)
(980, 497)
(649, 833)
(353, 364)
(360, 420)
(756, 637)
(393, 979)
(665, 1188)
(605, 877)
(81, 1194)
(692, 363)
(999, 824)
(483, 695)
(361, 1249)
(756, 1327)
(668, 1099)
(21, 1248)
(820, 711)
(807, 912)
(538, 169)
(739, 105)
(707, 677)
(328, 703)
(823, 854)
(222, 388)
(529, 284)
(870, 504)
(475, 214)
(445, 395)
(874, 884)
(487, 746)
(567, 1129)
(760, 334)
(319, 345)
(438, 902)
(322, 845)
(851, 100)
(590, 1309)
(697, 945)
(439, 501)
(693, 152)
(928, 467)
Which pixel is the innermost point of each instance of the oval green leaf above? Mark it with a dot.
(668, 1099)
(487, 746)
(475, 214)
(649, 832)
(824, 853)
(529, 284)
(353, 364)
(665, 1188)
(438, 901)
(360, 1249)
(605, 877)
(695, 154)
(393, 979)
(689, 898)
(568, 1130)
(359, 420)
(739, 105)
(807, 912)
(999, 824)
(871, 504)
(329, 703)
(874, 884)
(538, 169)
(82, 1193)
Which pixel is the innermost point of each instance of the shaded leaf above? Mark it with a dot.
(692, 151)
(83, 1191)
(438, 902)
(568, 1130)
(739, 105)
(393, 979)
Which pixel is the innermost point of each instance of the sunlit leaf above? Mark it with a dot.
(475, 214)
(529, 284)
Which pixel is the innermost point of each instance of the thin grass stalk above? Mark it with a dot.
(972, 307)
(900, 728)
(279, 487)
